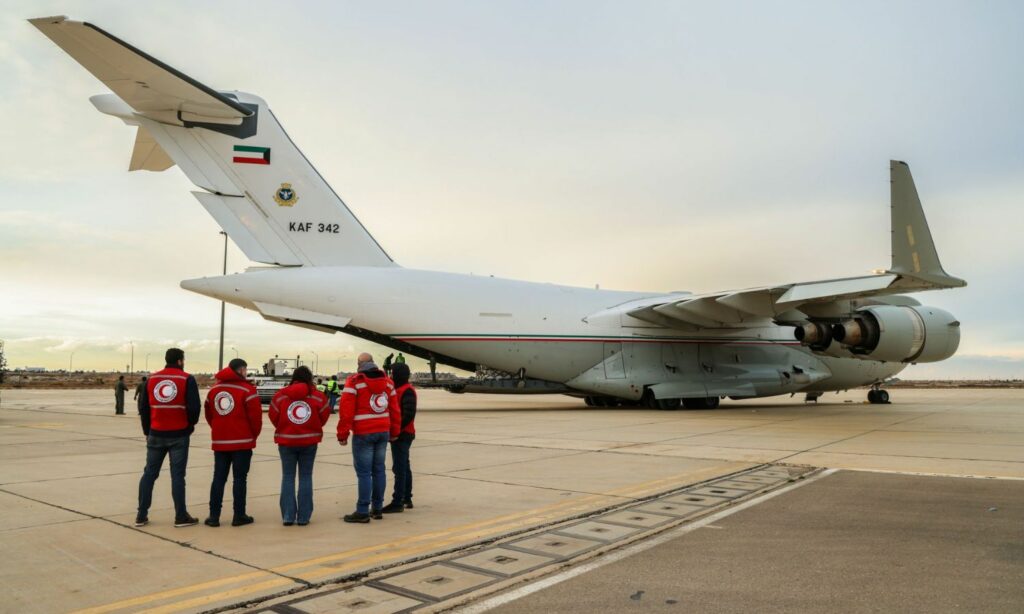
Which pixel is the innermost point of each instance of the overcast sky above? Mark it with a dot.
(642, 145)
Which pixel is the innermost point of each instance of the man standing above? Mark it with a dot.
(140, 393)
(369, 410)
(332, 392)
(433, 368)
(400, 359)
(401, 499)
(119, 389)
(387, 364)
(169, 415)
(235, 416)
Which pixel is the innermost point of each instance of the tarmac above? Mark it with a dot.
(885, 532)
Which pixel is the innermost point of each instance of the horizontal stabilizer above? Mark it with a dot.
(145, 83)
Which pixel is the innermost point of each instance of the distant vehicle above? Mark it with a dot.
(658, 349)
(274, 375)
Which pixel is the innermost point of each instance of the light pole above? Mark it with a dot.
(236, 351)
(220, 353)
(147, 361)
(71, 362)
(133, 356)
(316, 362)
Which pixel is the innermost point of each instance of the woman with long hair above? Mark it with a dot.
(298, 412)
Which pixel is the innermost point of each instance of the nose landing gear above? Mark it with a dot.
(877, 396)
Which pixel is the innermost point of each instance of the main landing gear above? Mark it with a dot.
(877, 396)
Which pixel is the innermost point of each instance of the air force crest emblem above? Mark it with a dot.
(286, 195)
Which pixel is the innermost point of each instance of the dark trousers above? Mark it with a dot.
(156, 449)
(237, 463)
(118, 403)
(401, 466)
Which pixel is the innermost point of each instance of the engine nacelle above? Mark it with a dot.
(892, 333)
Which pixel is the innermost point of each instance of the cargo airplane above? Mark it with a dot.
(665, 350)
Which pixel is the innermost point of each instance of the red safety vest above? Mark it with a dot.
(368, 406)
(298, 413)
(166, 390)
(411, 427)
(233, 412)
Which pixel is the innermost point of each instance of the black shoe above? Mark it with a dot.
(185, 521)
(212, 522)
(301, 523)
(141, 521)
(408, 505)
(376, 515)
(239, 521)
(357, 517)
(393, 508)
(287, 523)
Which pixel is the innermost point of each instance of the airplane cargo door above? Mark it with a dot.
(614, 365)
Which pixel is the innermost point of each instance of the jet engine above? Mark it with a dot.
(892, 333)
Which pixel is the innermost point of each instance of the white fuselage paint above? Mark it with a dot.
(554, 333)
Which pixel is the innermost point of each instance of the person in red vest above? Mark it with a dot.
(235, 416)
(401, 498)
(169, 414)
(369, 410)
(298, 412)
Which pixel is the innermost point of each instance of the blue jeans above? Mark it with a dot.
(402, 468)
(332, 399)
(156, 449)
(237, 463)
(368, 452)
(299, 510)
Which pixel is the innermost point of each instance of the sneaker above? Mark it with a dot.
(357, 517)
(376, 515)
(242, 520)
(408, 505)
(212, 522)
(393, 508)
(141, 521)
(185, 521)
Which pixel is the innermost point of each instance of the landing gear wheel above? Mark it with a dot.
(873, 396)
(883, 397)
(669, 403)
(589, 401)
(877, 396)
(701, 403)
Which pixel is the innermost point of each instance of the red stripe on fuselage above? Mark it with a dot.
(238, 160)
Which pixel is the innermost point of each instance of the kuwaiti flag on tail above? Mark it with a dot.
(247, 154)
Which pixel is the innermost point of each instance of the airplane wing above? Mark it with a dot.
(144, 82)
(915, 267)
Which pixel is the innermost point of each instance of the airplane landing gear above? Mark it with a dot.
(877, 396)
(701, 403)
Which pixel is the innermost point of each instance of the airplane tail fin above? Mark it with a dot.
(913, 250)
(254, 181)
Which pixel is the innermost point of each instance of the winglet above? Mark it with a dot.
(913, 250)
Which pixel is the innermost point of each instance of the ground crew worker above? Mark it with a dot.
(400, 359)
(387, 364)
(433, 367)
(401, 498)
(140, 392)
(235, 416)
(298, 412)
(169, 415)
(333, 389)
(321, 387)
(119, 389)
(369, 411)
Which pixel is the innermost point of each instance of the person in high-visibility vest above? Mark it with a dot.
(333, 390)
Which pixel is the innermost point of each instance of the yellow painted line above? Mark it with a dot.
(401, 548)
(134, 601)
(215, 597)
